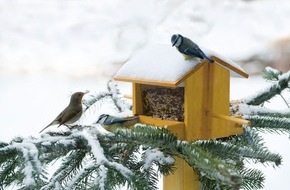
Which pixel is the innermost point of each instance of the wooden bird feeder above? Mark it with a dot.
(196, 92)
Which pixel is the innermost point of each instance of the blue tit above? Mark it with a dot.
(111, 123)
(188, 48)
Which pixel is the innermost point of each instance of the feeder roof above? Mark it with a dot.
(162, 64)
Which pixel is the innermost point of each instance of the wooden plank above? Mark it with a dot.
(189, 73)
(218, 103)
(183, 178)
(145, 81)
(229, 66)
(137, 99)
(175, 127)
(195, 99)
(229, 118)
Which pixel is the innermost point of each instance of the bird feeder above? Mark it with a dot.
(191, 98)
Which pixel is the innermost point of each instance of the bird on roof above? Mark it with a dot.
(188, 48)
(111, 123)
(71, 113)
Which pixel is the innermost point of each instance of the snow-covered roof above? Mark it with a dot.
(163, 64)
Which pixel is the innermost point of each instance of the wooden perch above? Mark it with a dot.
(229, 118)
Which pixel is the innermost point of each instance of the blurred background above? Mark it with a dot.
(52, 48)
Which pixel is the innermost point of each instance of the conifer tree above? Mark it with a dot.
(87, 157)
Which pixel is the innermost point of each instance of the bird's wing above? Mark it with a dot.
(66, 116)
(193, 52)
(197, 52)
(122, 120)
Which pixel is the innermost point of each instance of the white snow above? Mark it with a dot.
(248, 109)
(87, 164)
(161, 62)
(270, 69)
(101, 178)
(98, 153)
(31, 161)
(155, 155)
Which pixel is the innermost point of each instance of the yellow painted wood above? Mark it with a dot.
(195, 100)
(175, 127)
(143, 81)
(218, 102)
(229, 118)
(189, 73)
(229, 66)
(207, 90)
(137, 107)
(183, 178)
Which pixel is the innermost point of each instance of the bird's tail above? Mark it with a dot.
(131, 118)
(44, 128)
(131, 121)
(205, 56)
(52, 123)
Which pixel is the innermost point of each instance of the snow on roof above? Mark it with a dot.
(162, 63)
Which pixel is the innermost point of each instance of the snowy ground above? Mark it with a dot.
(51, 48)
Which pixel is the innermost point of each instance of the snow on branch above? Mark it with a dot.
(275, 89)
(246, 109)
(112, 94)
(92, 158)
(270, 123)
(120, 103)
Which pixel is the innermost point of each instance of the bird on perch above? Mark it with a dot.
(71, 113)
(111, 123)
(188, 48)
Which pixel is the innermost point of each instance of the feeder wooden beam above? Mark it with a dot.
(229, 118)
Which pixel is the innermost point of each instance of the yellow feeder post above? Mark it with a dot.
(206, 99)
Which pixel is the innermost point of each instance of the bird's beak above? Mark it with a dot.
(87, 91)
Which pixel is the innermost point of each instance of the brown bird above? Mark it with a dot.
(71, 113)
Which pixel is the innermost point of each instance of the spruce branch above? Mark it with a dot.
(227, 150)
(120, 103)
(94, 99)
(245, 109)
(112, 94)
(252, 179)
(270, 124)
(210, 166)
(271, 74)
(85, 152)
(275, 89)
(198, 158)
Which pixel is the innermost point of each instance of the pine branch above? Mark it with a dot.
(275, 89)
(94, 99)
(245, 109)
(234, 152)
(113, 94)
(120, 104)
(271, 74)
(196, 157)
(210, 166)
(270, 124)
(252, 179)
